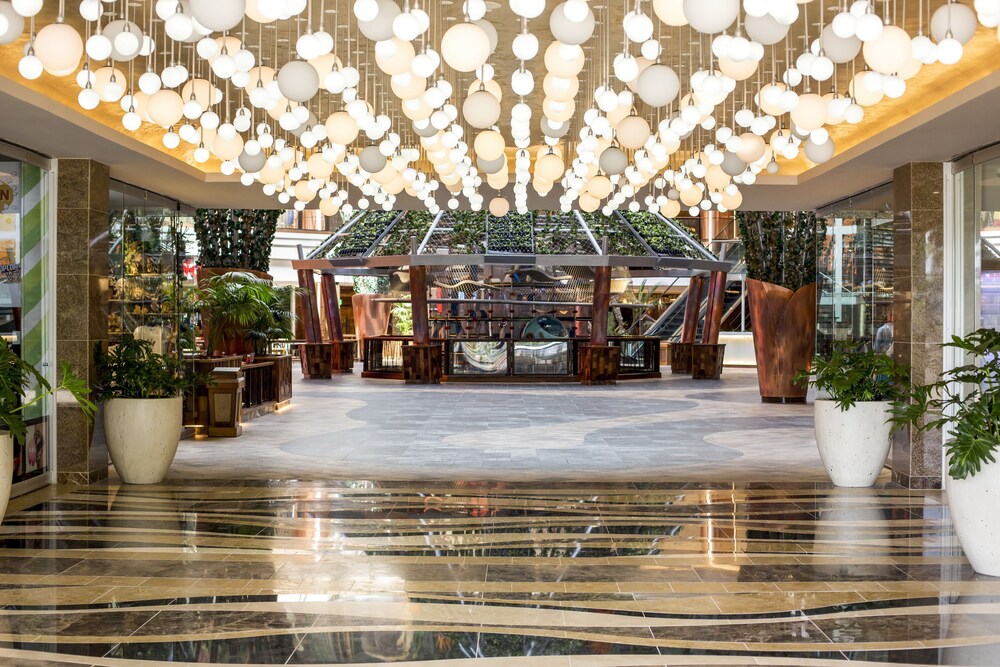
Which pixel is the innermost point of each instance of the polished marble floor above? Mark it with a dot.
(567, 574)
(652, 430)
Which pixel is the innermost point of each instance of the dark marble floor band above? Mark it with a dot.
(272, 573)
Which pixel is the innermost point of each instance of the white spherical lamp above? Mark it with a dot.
(525, 46)
(218, 15)
(59, 47)
(465, 47)
(371, 159)
(765, 29)
(839, 49)
(890, 52)
(380, 27)
(658, 85)
(298, 81)
(670, 12)
(11, 23)
(499, 207)
(481, 109)
(489, 145)
(568, 31)
(956, 18)
(613, 160)
(811, 111)
(165, 108)
(632, 132)
(27, 8)
(711, 17)
(820, 153)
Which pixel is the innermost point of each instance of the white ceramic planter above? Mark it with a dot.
(6, 470)
(142, 436)
(853, 443)
(975, 511)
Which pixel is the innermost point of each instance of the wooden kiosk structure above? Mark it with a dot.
(518, 298)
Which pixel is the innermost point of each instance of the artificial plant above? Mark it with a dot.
(781, 246)
(236, 238)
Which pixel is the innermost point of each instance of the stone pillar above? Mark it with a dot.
(918, 289)
(82, 196)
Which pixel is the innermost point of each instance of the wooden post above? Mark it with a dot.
(692, 309)
(310, 319)
(331, 303)
(418, 301)
(713, 311)
(602, 302)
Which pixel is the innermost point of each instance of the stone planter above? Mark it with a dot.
(142, 435)
(975, 511)
(784, 326)
(853, 443)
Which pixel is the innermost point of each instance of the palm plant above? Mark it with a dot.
(240, 305)
(16, 379)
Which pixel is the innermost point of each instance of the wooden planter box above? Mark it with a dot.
(196, 401)
(706, 361)
(423, 364)
(317, 360)
(599, 364)
(680, 358)
(342, 356)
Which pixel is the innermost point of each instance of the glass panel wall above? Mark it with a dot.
(855, 273)
(25, 303)
(977, 191)
(152, 262)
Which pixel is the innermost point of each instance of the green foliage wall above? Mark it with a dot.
(781, 245)
(236, 238)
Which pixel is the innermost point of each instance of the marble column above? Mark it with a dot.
(82, 194)
(918, 289)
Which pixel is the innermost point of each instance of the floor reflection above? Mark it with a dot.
(270, 573)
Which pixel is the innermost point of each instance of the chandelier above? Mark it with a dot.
(663, 105)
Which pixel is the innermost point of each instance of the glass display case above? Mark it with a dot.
(854, 273)
(152, 263)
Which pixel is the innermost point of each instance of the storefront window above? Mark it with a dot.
(25, 308)
(855, 273)
(152, 262)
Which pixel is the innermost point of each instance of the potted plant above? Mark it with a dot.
(853, 417)
(21, 386)
(965, 403)
(780, 256)
(143, 404)
(242, 313)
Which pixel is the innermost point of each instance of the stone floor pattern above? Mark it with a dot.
(571, 574)
(674, 429)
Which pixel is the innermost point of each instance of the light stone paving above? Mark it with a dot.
(674, 429)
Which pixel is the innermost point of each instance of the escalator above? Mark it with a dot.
(669, 325)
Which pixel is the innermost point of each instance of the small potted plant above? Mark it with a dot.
(965, 403)
(143, 394)
(853, 418)
(21, 386)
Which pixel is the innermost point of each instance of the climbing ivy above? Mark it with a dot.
(236, 238)
(781, 245)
